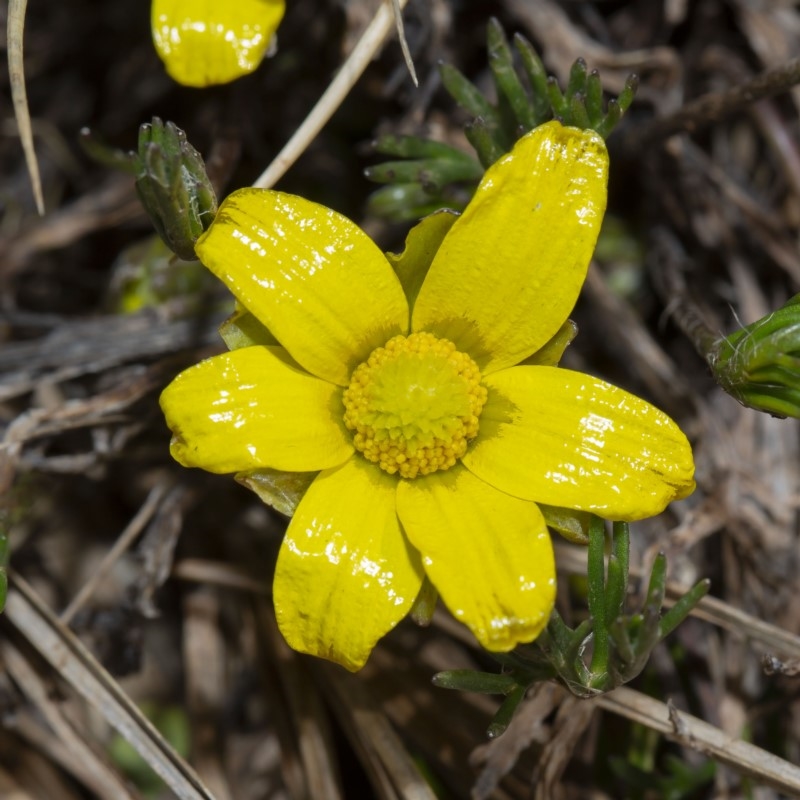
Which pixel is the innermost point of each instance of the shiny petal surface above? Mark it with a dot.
(345, 575)
(204, 42)
(312, 276)
(251, 408)
(488, 554)
(567, 439)
(509, 272)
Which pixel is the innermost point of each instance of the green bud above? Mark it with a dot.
(759, 365)
(173, 186)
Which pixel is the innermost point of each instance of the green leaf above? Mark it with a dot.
(467, 95)
(682, 608)
(502, 719)
(415, 147)
(481, 137)
(505, 76)
(468, 680)
(534, 69)
(400, 202)
(433, 174)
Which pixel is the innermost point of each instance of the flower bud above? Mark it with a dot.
(759, 365)
(173, 186)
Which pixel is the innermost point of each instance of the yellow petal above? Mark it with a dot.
(488, 554)
(252, 408)
(312, 276)
(203, 42)
(345, 574)
(422, 243)
(510, 270)
(567, 439)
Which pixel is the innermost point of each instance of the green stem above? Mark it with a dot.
(597, 596)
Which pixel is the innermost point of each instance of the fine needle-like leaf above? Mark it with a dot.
(481, 138)
(502, 719)
(682, 608)
(506, 78)
(537, 76)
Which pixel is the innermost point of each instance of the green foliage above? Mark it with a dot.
(173, 186)
(173, 724)
(171, 182)
(678, 781)
(760, 364)
(620, 644)
(434, 175)
(147, 274)
(428, 176)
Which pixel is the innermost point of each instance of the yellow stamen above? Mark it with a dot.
(414, 405)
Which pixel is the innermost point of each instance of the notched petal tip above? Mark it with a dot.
(346, 574)
(598, 448)
(488, 554)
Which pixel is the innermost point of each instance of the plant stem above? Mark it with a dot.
(597, 598)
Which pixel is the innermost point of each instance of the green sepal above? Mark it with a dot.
(242, 329)
(283, 491)
(425, 604)
(422, 244)
(571, 524)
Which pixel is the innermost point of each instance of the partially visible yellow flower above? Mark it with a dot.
(412, 386)
(204, 42)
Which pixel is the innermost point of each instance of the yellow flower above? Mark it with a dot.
(412, 386)
(203, 42)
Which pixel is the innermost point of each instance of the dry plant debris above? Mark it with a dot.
(139, 587)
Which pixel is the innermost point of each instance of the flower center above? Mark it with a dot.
(414, 405)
